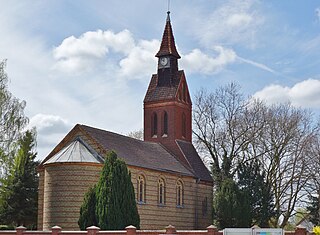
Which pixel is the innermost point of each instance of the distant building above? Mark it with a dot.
(171, 183)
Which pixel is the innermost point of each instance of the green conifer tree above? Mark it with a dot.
(115, 205)
(88, 210)
(19, 193)
(314, 209)
(252, 183)
(227, 205)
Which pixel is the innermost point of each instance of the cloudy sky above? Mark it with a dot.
(90, 62)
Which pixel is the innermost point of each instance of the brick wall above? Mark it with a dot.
(174, 110)
(65, 185)
(64, 188)
(131, 230)
(40, 200)
(155, 216)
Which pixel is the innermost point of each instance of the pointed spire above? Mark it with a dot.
(168, 46)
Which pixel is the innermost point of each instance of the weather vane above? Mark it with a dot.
(168, 5)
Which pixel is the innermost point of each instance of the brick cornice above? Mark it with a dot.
(167, 103)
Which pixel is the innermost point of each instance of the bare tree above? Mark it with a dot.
(286, 140)
(225, 125)
(136, 134)
(232, 130)
(313, 185)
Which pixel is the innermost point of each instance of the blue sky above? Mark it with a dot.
(90, 62)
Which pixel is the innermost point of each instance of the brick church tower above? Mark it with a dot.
(167, 104)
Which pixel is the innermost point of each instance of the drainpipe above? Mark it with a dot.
(196, 205)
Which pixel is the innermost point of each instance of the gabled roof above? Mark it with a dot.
(159, 93)
(136, 152)
(168, 46)
(194, 160)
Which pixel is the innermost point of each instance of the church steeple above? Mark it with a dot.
(168, 57)
(168, 46)
(167, 104)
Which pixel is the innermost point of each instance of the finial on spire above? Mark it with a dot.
(168, 46)
(168, 15)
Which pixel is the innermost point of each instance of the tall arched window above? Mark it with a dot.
(161, 191)
(184, 130)
(154, 125)
(141, 189)
(179, 192)
(165, 123)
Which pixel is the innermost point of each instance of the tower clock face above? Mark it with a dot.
(163, 61)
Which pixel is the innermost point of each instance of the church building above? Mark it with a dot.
(171, 183)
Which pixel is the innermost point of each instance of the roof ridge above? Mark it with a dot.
(185, 155)
(111, 132)
(194, 164)
(177, 159)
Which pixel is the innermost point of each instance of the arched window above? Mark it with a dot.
(165, 123)
(161, 191)
(179, 192)
(154, 125)
(141, 189)
(183, 123)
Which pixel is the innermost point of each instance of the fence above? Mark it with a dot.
(131, 230)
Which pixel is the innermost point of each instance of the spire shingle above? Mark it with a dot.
(168, 46)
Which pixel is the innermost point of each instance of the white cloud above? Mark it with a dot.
(199, 62)
(232, 23)
(49, 124)
(90, 51)
(81, 54)
(50, 130)
(239, 20)
(94, 44)
(303, 94)
(141, 59)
